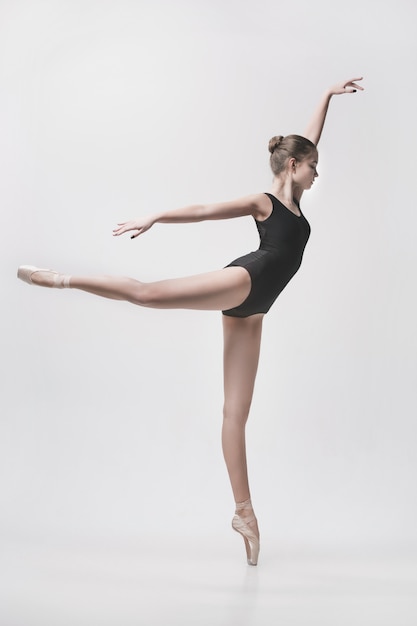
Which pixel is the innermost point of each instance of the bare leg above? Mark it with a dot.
(216, 291)
(242, 339)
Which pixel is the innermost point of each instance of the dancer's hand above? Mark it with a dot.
(348, 86)
(139, 226)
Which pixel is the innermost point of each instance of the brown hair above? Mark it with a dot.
(284, 148)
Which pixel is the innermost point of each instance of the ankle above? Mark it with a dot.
(65, 281)
(61, 281)
(244, 509)
(246, 504)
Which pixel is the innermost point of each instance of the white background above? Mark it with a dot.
(111, 414)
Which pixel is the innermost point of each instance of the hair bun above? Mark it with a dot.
(274, 143)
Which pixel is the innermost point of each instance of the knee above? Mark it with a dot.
(145, 295)
(235, 414)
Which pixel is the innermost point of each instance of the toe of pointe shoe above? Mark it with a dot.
(25, 272)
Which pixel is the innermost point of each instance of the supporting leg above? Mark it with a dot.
(242, 339)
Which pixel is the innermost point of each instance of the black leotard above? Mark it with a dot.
(283, 237)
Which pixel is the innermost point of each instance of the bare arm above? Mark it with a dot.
(315, 126)
(250, 205)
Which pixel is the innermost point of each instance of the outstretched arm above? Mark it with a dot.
(250, 205)
(315, 126)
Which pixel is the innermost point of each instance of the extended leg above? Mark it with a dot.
(216, 291)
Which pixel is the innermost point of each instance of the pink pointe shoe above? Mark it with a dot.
(241, 526)
(25, 273)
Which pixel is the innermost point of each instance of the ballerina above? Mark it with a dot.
(244, 290)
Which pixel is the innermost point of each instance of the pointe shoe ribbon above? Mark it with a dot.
(25, 273)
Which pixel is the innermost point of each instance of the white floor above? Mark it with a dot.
(196, 582)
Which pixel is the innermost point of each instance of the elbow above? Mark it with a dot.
(200, 212)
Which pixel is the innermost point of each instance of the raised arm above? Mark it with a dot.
(315, 126)
(250, 205)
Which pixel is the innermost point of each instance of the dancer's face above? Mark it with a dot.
(306, 171)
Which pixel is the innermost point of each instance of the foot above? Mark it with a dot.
(42, 277)
(247, 514)
(244, 522)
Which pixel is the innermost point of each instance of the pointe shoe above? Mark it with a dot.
(241, 526)
(25, 273)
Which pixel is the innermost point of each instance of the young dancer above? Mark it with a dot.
(244, 290)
